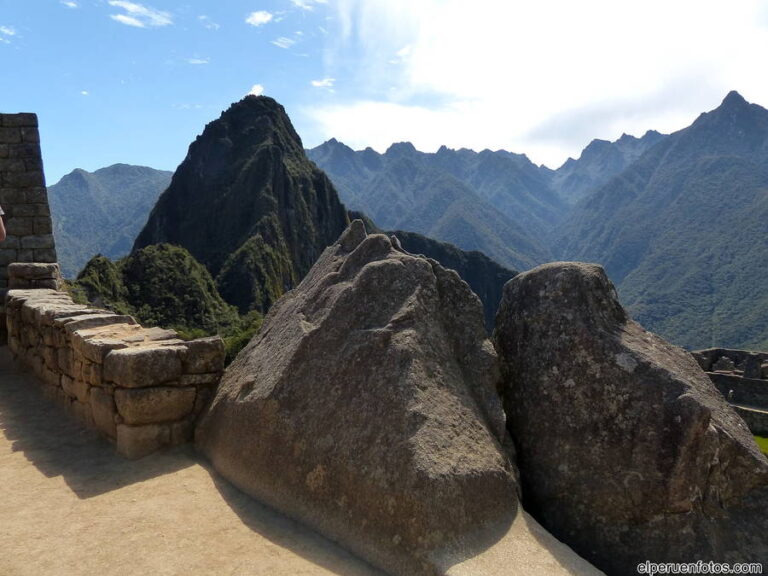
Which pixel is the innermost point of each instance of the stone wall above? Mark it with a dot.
(142, 387)
(742, 377)
(24, 199)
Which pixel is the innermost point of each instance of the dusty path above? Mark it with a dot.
(69, 506)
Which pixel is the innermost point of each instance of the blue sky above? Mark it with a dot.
(122, 81)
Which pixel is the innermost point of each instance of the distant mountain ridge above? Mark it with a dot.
(600, 161)
(494, 202)
(678, 220)
(497, 202)
(682, 231)
(102, 211)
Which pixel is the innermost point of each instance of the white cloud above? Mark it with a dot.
(127, 20)
(308, 5)
(208, 23)
(256, 90)
(284, 42)
(528, 76)
(69, 3)
(84, 93)
(6, 32)
(198, 61)
(140, 16)
(259, 18)
(324, 83)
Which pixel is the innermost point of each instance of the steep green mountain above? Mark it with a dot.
(101, 212)
(494, 202)
(682, 231)
(598, 163)
(248, 205)
(162, 285)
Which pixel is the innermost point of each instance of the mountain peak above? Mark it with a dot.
(732, 99)
(400, 148)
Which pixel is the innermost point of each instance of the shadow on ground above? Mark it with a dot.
(281, 530)
(58, 445)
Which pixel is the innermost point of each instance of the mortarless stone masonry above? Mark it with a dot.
(142, 387)
(24, 199)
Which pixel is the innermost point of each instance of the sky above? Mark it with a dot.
(135, 82)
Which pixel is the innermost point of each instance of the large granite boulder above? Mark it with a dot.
(626, 450)
(367, 408)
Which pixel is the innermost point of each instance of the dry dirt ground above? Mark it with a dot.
(69, 506)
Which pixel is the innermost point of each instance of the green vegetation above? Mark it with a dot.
(163, 285)
(497, 203)
(681, 232)
(763, 443)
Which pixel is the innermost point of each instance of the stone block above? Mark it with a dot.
(103, 407)
(31, 135)
(49, 377)
(20, 226)
(12, 165)
(75, 388)
(38, 242)
(65, 361)
(43, 255)
(23, 179)
(36, 195)
(204, 355)
(751, 366)
(36, 271)
(25, 150)
(33, 164)
(94, 348)
(84, 321)
(7, 255)
(143, 366)
(10, 135)
(42, 225)
(22, 119)
(92, 373)
(154, 405)
(138, 441)
(51, 358)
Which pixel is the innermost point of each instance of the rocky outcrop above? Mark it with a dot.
(367, 408)
(248, 205)
(626, 450)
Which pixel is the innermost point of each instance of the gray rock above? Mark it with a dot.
(723, 364)
(626, 450)
(367, 408)
(751, 366)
